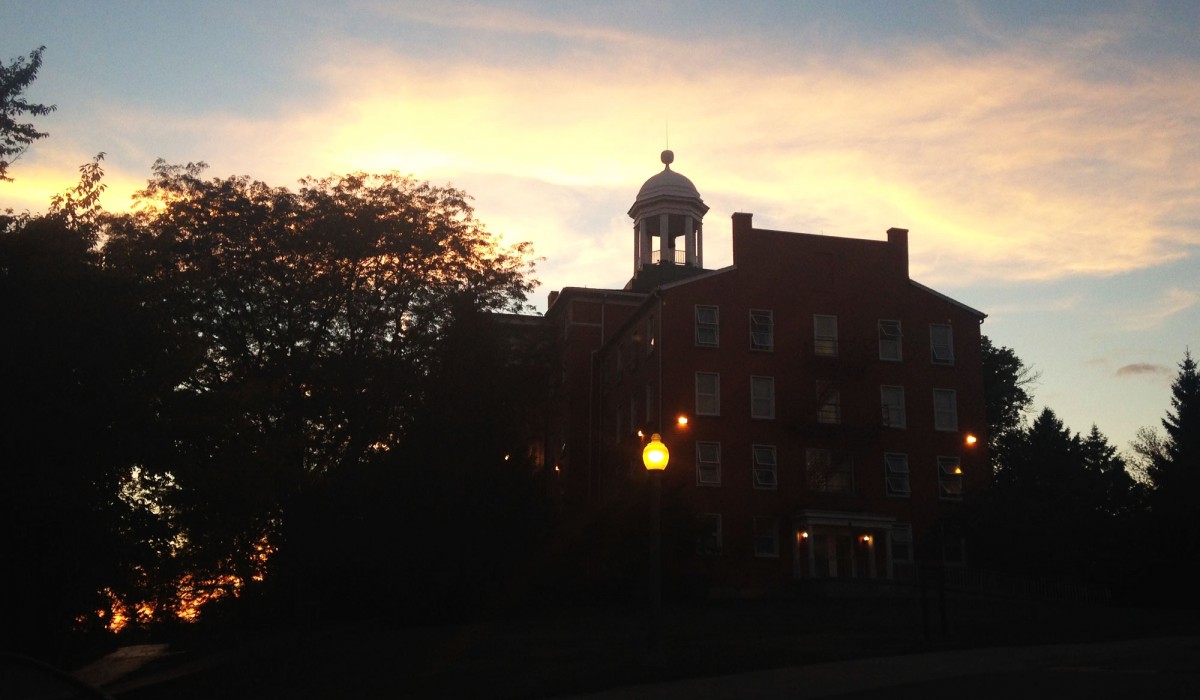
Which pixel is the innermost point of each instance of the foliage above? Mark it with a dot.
(16, 137)
(1060, 505)
(316, 325)
(81, 368)
(1006, 385)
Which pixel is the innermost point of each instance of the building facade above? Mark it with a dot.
(824, 412)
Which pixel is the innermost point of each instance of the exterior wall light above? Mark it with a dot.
(681, 421)
(971, 440)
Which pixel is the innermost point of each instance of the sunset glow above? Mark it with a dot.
(1045, 159)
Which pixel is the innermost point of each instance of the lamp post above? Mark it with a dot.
(655, 456)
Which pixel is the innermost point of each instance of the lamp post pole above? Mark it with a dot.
(655, 457)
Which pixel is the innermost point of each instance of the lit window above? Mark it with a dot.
(825, 335)
(708, 394)
(829, 471)
(892, 400)
(762, 397)
(941, 343)
(708, 326)
(765, 472)
(889, 341)
(895, 468)
(708, 537)
(762, 330)
(945, 410)
(950, 481)
(708, 463)
(829, 403)
(766, 537)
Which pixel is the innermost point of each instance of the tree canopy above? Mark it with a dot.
(15, 135)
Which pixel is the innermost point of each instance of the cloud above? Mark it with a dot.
(1169, 303)
(1141, 368)
(1033, 157)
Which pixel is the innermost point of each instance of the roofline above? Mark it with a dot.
(703, 275)
(943, 297)
(594, 291)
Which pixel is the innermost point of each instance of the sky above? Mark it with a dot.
(1044, 156)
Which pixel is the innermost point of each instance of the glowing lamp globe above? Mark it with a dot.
(655, 455)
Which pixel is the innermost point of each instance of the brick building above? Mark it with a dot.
(819, 405)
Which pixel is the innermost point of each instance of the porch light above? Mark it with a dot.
(866, 539)
(655, 455)
(971, 440)
(681, 421)
(641, 434)
(802, 535)
(957, 470)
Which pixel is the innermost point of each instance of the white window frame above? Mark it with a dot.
(896, 475)
(765, 461)
(891, 345)
(766, 537)
(825, 342)
(891, 402)
(702, 407)
(762, 407)
(941, 344)
(822, 471)
(945, 410)
(708, 463)
(708, 328)
(950, 485)
(829, 403)
(762, 330)
(708, 522)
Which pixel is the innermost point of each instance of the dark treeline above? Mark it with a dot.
(316, 388)
(1070, 506)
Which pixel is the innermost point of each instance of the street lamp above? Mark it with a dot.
(655, 456)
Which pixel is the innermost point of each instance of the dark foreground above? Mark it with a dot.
(602, 650)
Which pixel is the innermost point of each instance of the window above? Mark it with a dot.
(892, 399)
(708, 463)
(825, 335)
(902, 544)
(762, 330)
(708, 394)
(945, 410)
(765, 472)
(708, 537)
(950, 483)
(762, 397)
(889, 341)
(708, 326)
(941, 343)
(895, 473)
(829, 471)
(829, 403)
(766, 537)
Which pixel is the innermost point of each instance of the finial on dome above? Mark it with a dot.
(667, 158)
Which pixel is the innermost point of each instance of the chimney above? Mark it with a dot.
(898, 239)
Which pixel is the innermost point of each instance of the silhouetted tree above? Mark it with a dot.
(1060, 505)
(15, 136)
(316, 323)
(1172, 463)
(1006, 385)
(81, 368)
